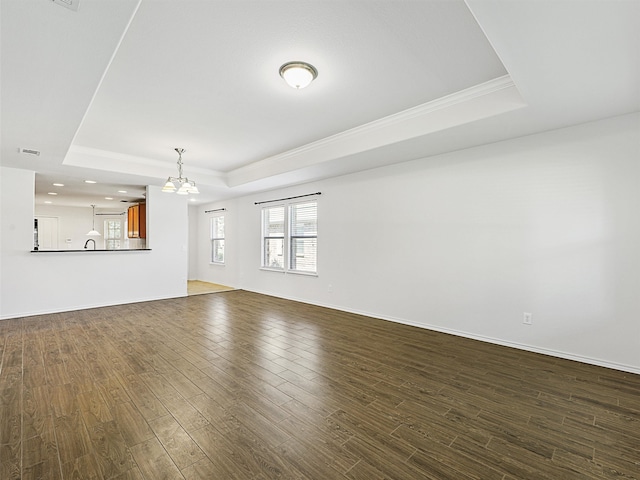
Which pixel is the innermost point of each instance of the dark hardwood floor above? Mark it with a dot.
(238, 385)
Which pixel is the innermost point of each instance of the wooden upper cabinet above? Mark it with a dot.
(133, 221)
(142, 220)
(137, 221)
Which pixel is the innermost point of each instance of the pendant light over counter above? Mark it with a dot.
(93, 232)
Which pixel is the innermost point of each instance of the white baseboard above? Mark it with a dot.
(82, 307)
(496, 341)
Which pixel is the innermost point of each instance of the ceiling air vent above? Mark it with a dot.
(28, 151)
(70, 4)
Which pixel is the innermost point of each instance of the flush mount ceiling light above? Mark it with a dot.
(298, 74)
(183, 185)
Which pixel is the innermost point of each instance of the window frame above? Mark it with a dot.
(264, 237)
(213, 239)
(291, 237)
(117, 242)
(287, 238)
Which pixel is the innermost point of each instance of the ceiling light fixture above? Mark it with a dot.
(93, 231)
(183, 185)
(298, 74)
(90, 181)
(58, 184)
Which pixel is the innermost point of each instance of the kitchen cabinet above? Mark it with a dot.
(137, 221)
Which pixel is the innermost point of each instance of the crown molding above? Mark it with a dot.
(480, 101)
(86, 157)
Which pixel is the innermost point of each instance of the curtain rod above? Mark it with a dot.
(216, 210)
(111, 214)
(288, 198)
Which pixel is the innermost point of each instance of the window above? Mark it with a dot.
(273, 237)
(303, 236)
(290, 237)
(217, 239)
(112, 234)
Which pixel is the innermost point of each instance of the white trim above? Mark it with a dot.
(212, 239)
(495, 341)
(276, 270)
(286, 257)
(476, 102)
(123, 157)
(301, 272)
(85, 307)
(85, 157)
(447, 101)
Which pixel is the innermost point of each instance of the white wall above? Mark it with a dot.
(35, 283)
(193, 242)
(73, 224)
(468, 241)
(229, 273)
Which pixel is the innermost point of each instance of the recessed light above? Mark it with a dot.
(58, 184)
(48, 201)
(52, 193)
(108, 198)
(90, 181)
(122, 191)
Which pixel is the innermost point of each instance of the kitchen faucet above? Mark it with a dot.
(87, 243)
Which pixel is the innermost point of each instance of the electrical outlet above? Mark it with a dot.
(527, 319)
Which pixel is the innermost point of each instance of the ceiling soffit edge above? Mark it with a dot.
(86, 157)
(490, 98)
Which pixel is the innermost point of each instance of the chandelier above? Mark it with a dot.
(181, 185)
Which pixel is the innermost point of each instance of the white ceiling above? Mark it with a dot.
(107, 92)
(64, 190)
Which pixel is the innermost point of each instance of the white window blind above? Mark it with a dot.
(273, 237)
(217, 239)
(303, 236)
(290, 237)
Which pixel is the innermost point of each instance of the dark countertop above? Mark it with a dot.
(92, 250)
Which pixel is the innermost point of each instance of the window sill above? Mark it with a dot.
(304, 274)
(291, 272)
(275, 270)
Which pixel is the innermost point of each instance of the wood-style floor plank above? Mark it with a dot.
(176, 441)
(238, 385)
